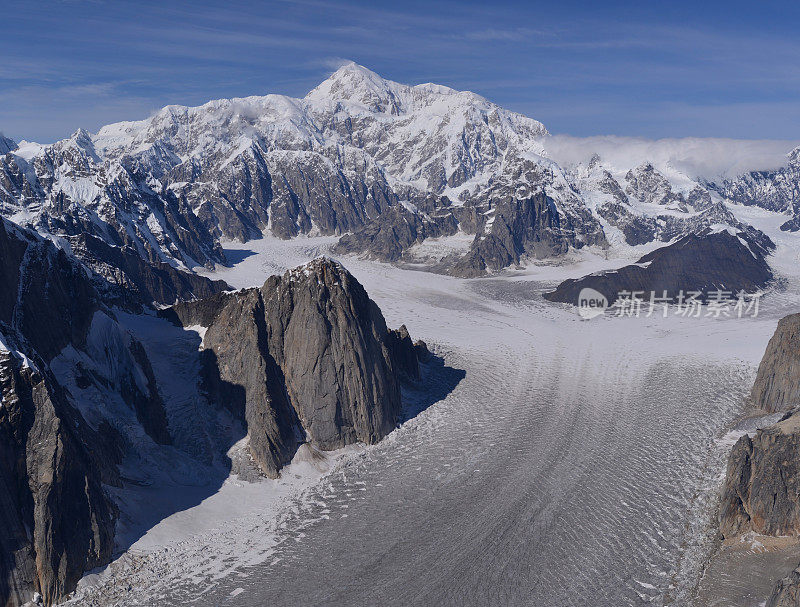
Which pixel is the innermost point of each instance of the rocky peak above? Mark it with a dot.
(305, 358)
(6, 144)
(355, 83)
(650, 186)
(794, 157)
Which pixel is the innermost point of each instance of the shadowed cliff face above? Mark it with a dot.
(763, 482)
(57, 521)
(305, 358)
(55, 517)
(786, 592)
(762, 486)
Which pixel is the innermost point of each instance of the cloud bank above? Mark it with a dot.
(707, 158)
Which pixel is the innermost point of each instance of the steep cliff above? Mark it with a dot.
(55, 517)
(777, 385)
(305, 358)
(786, 592)
(762, 485)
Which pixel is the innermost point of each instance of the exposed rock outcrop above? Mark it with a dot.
(762, 486)
(6, 144)
(786, 592)
(305, 358)
(702, 262)
(777, 385)
(125, 278)
(389, 236)
(506, 230)
(406, 354)
(761, 493)
(56, 521)
(519, 227)
(44, 295)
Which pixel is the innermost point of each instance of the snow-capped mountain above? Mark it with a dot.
(777, 190)
(168, 188)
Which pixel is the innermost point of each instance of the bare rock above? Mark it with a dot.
(405, 353)
(786, 592)
(57, 521)
(777, 385)
(305, 358)
(762, 486)
(702, 262)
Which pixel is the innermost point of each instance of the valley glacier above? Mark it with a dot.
(573, 462)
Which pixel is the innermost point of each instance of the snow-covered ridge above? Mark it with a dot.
(171, 186)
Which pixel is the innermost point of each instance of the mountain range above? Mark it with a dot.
(115, 349)
(385, 165)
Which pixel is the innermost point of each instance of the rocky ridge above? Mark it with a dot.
(305, 358)
(762, 483)
(56, 518)
(703, 263)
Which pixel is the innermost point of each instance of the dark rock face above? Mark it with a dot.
(306, 358)
(786, 592)
(6, 144)
(398, 229)
(506, 230)
(701, 262)
(531, 226)
(777, 385)
(762, 487)
(147, 403)
(123, 277)
(44, 295)
(406, 354)
(57, 521)
(650, 186)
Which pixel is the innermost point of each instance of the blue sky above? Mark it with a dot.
(647, 68)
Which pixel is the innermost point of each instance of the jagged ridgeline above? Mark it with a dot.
(307, 358)
(390, 167)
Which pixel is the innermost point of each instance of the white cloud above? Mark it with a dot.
(709, 158)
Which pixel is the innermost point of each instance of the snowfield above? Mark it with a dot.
(554, 461)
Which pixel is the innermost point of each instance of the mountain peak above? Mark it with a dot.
(82, 140)
(355, 83)
(6, 144)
